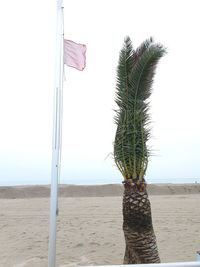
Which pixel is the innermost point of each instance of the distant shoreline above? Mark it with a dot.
(43, 191)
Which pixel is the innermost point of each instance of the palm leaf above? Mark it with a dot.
(135, 73)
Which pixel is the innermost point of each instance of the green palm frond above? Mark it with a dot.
(135, 73)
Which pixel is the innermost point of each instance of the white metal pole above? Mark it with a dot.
(57, 130)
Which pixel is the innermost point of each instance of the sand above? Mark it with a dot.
(90, 227)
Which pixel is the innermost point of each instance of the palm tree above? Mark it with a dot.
(135, 72)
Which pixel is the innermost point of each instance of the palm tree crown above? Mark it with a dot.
(135, 73)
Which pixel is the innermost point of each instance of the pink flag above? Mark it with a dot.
(74, 55)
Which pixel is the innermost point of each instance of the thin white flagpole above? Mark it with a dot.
(57, 132)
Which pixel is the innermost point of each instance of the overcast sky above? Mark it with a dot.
(27, 78)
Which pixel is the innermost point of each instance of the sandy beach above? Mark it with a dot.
(90, 224)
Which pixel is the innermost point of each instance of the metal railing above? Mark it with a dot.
(170, 264)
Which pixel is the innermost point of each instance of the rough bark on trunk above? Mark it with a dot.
(139, 235)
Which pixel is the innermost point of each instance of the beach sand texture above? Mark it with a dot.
(89, 230)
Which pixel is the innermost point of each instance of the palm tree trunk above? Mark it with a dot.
(139, 235)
